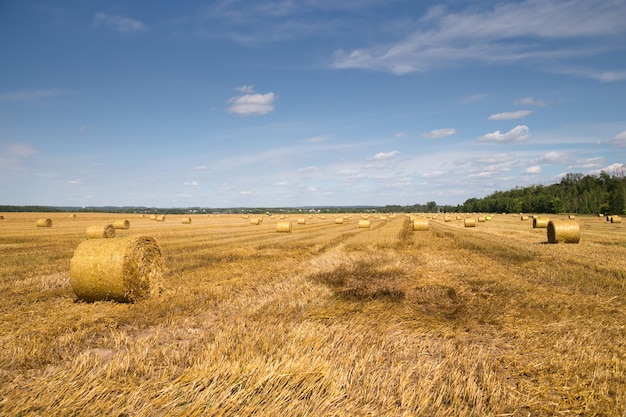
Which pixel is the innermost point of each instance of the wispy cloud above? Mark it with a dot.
(536, 169)
(439, 133)
(518, 134)
(619, 140)
(509, 32)
(530, 101)
(510, 115)
(251, 103)
(386, 155)
(119, 24)
(30, 95)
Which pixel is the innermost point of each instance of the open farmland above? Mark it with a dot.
(328, 320)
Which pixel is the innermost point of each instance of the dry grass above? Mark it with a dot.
(328, 320)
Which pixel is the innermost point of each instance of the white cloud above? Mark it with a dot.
(587, 163)
(29, 95)
(531, 101)
(251, 103)
(554, 157)
(386, 155)
(434, 174)
(201, 168)
(118, 23)
(518, 134)
(399, 135)
(510, 115)
(307, 170)
(439, 133)
(512, 32)
(613, 169)
(191, 183)
(619, 139)
(532, 170)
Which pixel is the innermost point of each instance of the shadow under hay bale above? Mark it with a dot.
(99, 231)
(563, 231)
(120, 269)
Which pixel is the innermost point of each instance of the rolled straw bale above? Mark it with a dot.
(459, 217)
(160, 218)
(522, 217)
(121, 224)
(420, 225)
(447, 218)
(488, 218)
(186, 220)
(616, 219)
(153, 217)
(470, 222)
(121, 269)
(566, 231)
(481, 219)
(44, 223)
(571, 217)
(255, 221)
(97, 231)
(540, 223)
(302, 220)
(283, 227)
(1, 217)
(364, 224)
(339, 220)
(72, 216)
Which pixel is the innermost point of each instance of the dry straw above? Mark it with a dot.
(616, 219)
(186, 220)
(364, 224)
(482, 219)
(523, 217)
(420, 225)
(121, 269)
(470, 222)
(44, 223)
(283, 227)
(540, 223)
(98, 231)
(121, 224)
(563, 231)
(339, 220)
(160, 218)
(255, 221)
(302, 220)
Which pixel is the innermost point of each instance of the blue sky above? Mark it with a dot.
(305, 102)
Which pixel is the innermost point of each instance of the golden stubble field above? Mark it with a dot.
(329, 320)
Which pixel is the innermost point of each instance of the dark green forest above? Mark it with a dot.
(589, 194)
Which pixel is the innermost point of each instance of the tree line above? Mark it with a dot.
(588, 194)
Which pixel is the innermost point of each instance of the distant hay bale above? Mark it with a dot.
(120, 269)
(488, 218)
(600, 215)
(255, 221)
(160, 218)
(540, 223)
(283, 227)
(72, 216)
(447, 219)
(420, 225)
(616, 219)
(186, 220)
(44, 223)
(459, 217)
(153, 217)
(482, 219)
(571, 217)
(565, 231)
(470, 222)
(364, 224)
(302, 220)
(1, 217)
(99, 231)
(523, 217)
(339, 220)
(121, 224)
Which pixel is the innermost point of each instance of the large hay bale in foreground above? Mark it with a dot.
(121, 224)
(44, 223)
(540, 223)
(100, 231)
(616, 219)
(364, 224)
(565, 231)
(283, 227)
(470, 222)
(121, 269)
(420, 225)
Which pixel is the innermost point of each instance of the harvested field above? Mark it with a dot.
(328, 320)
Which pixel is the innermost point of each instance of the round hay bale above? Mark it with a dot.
(186, 220)
(616, 219)
(565, 231)
(72, 216)
(255, 221)
(283, 227)
(120, 269)
(540, 223)
(44, 223)
(153, 217)
(121, 224)
(470, 222)
(571, 217)
(160, 218)
(420, 225)
(488, 218)
(98, 231)
(302, 220)
(447, 219)
(364, 224)
(459, 217)
(339, 220)
(523, 217)
(481, 219)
